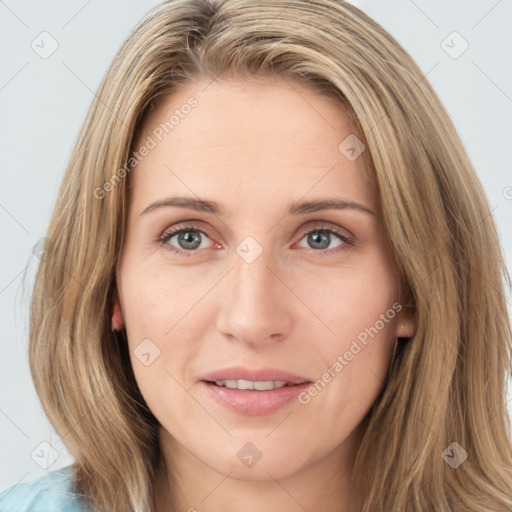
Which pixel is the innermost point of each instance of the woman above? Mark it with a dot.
(271, 280)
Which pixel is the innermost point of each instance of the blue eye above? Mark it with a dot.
(320, 239)
(188, 237)
(189, 240)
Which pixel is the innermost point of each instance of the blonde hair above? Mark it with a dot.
(447, 384)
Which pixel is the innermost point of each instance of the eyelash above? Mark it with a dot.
(169, 233)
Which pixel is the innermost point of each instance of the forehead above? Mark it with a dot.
(229, 104)
(244, 139)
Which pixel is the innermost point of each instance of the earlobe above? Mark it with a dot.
(117, 316)
(407, 324)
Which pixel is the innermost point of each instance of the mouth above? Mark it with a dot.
(262, 379)
(251, 385)
(253, 392)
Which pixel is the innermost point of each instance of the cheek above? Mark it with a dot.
(351, 299)
(159, 355)
(163, 322)
(156, 297)
(360, 311)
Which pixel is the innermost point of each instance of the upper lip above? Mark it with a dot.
(262, 374)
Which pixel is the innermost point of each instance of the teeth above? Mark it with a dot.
(249, 384)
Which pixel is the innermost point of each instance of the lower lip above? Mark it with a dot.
(251, 402)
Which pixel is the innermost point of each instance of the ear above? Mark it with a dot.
(406, 327)
(117, 316)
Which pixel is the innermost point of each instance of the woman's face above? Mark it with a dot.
(255, 279)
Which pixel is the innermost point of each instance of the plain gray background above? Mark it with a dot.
(44, 99)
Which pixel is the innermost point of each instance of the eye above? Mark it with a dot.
(320, 238)
(187, 238)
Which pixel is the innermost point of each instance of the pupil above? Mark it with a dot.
(187, 239)
(323, 237)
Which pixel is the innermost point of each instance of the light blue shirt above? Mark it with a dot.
(52, 492)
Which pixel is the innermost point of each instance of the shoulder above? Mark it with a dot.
(52, 492)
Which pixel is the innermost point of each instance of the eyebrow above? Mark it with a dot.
(301, 208)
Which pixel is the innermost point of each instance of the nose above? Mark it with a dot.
(256, 309)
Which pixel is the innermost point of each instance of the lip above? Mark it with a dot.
(253, 402)
(240, 373)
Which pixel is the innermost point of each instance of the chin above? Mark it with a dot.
(261, 460)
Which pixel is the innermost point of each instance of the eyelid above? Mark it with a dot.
(321, 225)
(183, 226)
(344, 234)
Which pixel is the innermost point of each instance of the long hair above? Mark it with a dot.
(447, 384)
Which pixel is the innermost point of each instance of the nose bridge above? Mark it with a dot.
(253, 280)
(255, 308)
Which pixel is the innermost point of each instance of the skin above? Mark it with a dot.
(255, 148)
